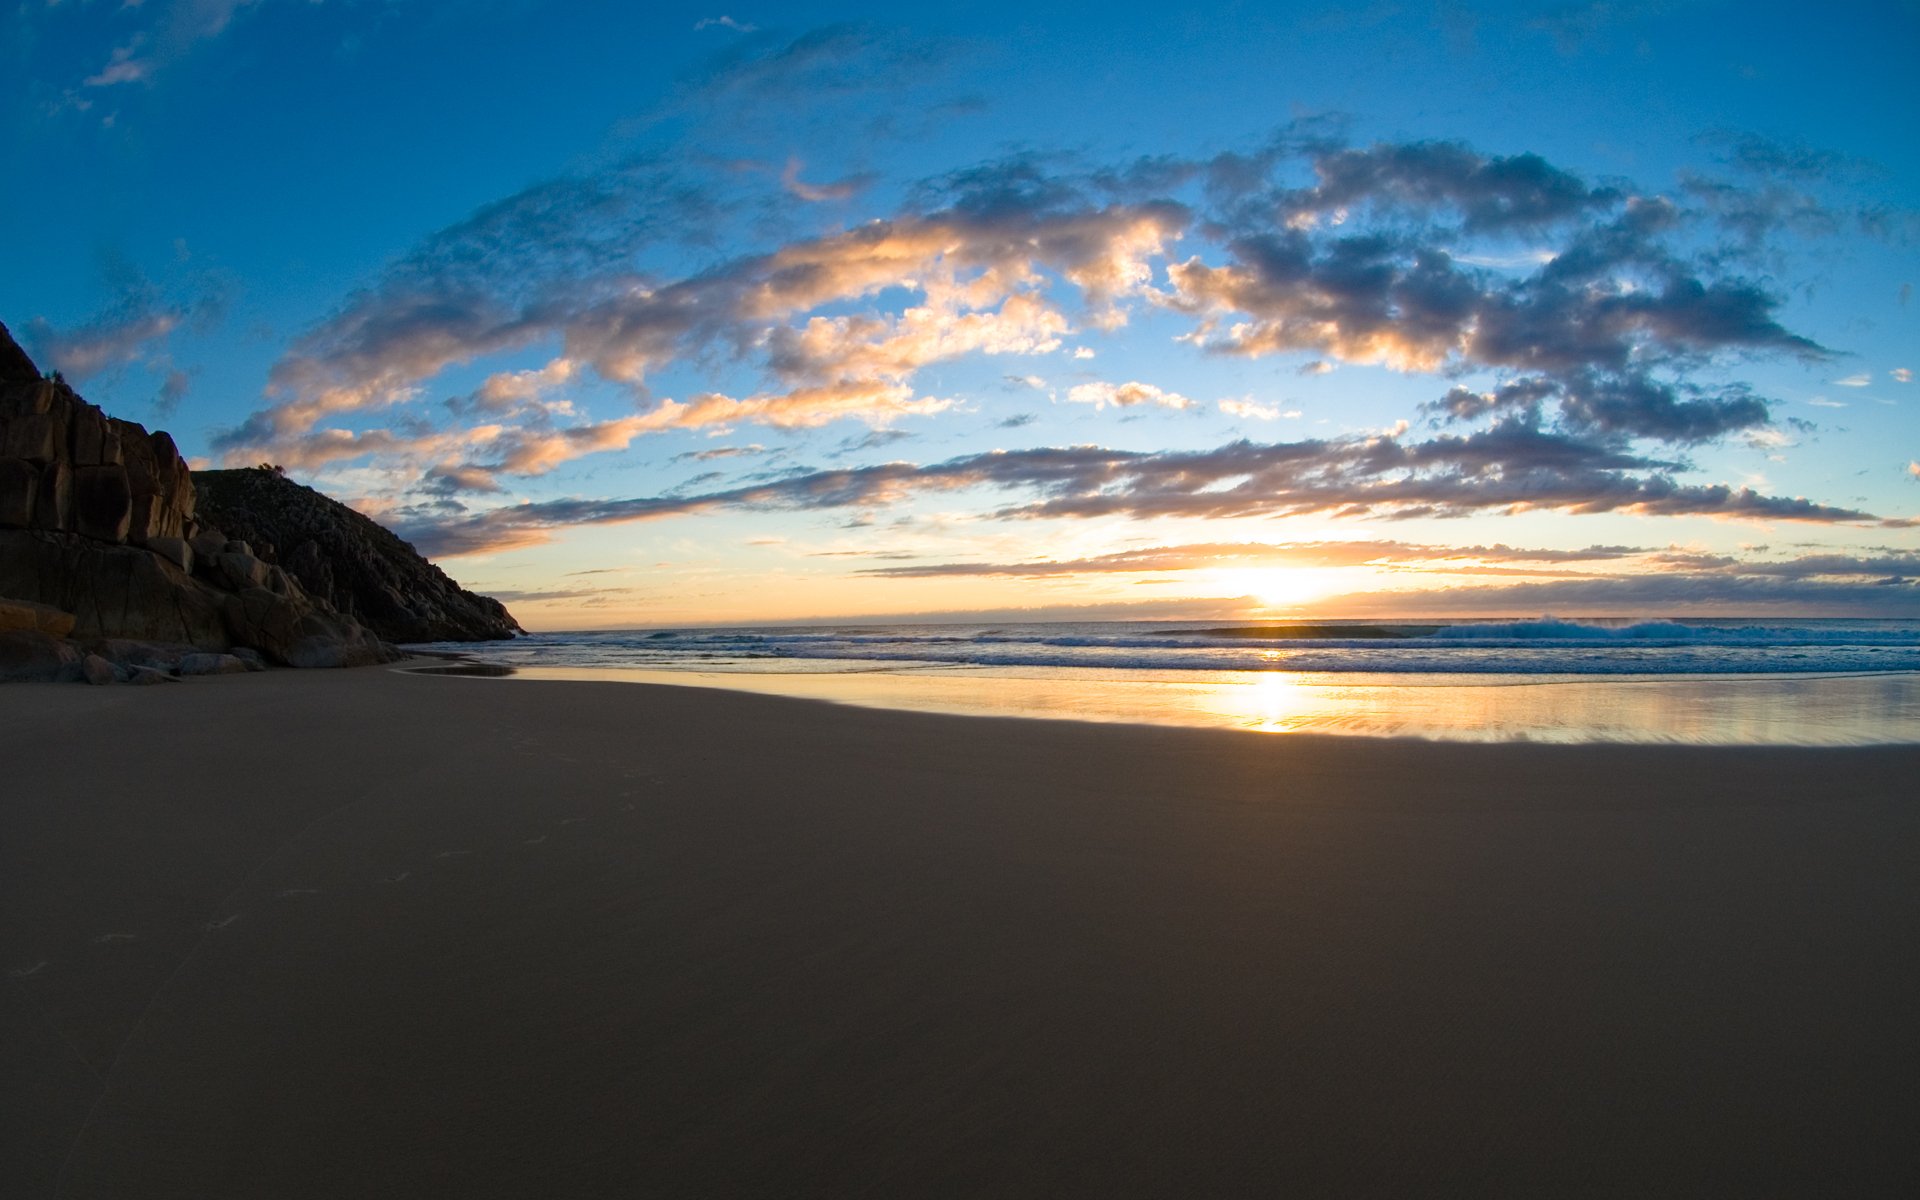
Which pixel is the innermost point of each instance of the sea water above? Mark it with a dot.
(1808, 681)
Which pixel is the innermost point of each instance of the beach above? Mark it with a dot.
(371, 933)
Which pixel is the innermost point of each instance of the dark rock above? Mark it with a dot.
(212, 664)
(92, 439)
(25, 614)
(96, 670)
(15, 366)
(19, 487)
(113, 591)
(363, 570)
(146, 675)
(29, 656)
(32, 436)
(131, 652)
(98, 519)
(207, 542)
(175, 550)
(102, 503)
(53, 506)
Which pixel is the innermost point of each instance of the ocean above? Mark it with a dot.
(1720, 681)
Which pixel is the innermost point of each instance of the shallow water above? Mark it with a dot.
(1703, 682)
(1808, 710)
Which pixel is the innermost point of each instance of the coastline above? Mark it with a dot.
(361, 932)
(1803, 709)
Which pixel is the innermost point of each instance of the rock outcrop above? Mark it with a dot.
(105, 554)
(364, 570)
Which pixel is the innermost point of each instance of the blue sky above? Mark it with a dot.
(666, 315)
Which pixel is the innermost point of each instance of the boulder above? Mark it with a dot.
(237, 570)
(29, 656)
(130, 652)
(96, 670)
(146, 675)
(25, 614)
(175, 550)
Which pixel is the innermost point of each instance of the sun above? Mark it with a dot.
(1273, 587)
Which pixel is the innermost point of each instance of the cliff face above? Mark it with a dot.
(362, 569)
(103, 537)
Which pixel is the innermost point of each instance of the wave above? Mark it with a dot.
(1541, 646)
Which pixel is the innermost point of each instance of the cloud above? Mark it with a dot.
(1253, 410)
(122, 67)
(971, 267)
(1855, 381)
(1913, 470)
(724, 22)
(718, 452)
(1901, 375)
(176, 28)
(1125, 395)
(1575, 321)
(1204, 556)
(1377, 299)
(132, 327)
(1509, 467)
(843, 189)
(173, 389)
(1710, 594)
(1484, 192)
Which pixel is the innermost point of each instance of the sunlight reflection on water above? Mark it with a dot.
(1746, 710)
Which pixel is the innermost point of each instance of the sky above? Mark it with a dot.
(638, 315)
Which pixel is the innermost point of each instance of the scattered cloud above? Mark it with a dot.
(134, 327)
(1901, 375)
(173, 29)
(724, 22)
(1508, 467)
(1855, 381)
(820, 193)
(1583, 329)
(1204, 556)
(717, 452)
(1125, 395)
(1252, 410)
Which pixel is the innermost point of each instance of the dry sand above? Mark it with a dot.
(364, 933)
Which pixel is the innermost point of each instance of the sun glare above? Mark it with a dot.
(1273, 587)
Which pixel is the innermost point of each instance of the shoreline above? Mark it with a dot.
(1826, 708)
(365, 932)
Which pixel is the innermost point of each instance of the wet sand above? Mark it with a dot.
(368, 934)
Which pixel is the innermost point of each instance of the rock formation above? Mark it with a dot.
(104, 555)
(364, 570)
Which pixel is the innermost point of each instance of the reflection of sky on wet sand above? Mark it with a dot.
(1772, 710)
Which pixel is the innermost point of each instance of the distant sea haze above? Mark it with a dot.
(1531, 648)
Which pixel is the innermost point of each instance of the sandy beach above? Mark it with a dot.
(369, 933)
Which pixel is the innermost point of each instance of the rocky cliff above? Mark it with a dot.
(347, 559)
(110, 562)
